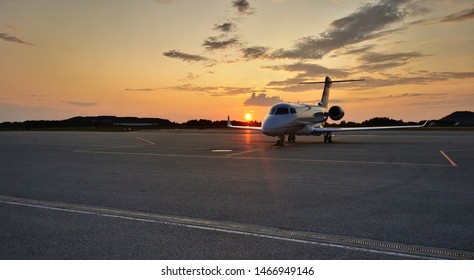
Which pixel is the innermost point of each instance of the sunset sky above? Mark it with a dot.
(206, 59)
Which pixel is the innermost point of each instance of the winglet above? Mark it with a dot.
(228, 122)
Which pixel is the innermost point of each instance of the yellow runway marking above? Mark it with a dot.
(241, 153)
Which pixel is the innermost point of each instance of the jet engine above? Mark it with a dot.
(336, 113)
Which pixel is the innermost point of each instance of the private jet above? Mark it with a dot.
(302, 119)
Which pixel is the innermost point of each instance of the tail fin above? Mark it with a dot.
(327, 85)
(325, 98)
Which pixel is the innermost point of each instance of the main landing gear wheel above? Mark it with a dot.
(291, 138)
(280, 141)
(328, 137)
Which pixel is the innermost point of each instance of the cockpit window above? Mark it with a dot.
(281, 111)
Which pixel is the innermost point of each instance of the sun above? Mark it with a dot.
(248, 116)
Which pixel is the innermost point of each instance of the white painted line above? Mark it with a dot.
(267, 159)
(201, 225)
(448, 158)
(464, 150)
(115, 147)
(148, 141)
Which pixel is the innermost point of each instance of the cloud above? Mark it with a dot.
(242, 6)
(37, 96)
(368, 22)
(356, 51)
(415, 98)
(13, 39)
(460, 16)
(191, 76)
(184, 56)
(306, 71)
(216, 91)
(373, 61)
(417, 78)
(213, 43)
(140, 89)
(163, 1)
(221, 41)
(405, 95)
(309, 70)
(262, 100)
(81, 104)
(255, 52)
(225, 27)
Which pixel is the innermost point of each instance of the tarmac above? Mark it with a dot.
(233, 194)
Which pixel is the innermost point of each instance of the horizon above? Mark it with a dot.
(225, 120)
(182, 60)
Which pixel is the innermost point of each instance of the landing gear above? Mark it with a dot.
(280, 141)
(327, 137)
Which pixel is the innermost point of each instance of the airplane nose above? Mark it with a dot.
(274, 126)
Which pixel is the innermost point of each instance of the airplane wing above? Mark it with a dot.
(347, 129)
(242, 127)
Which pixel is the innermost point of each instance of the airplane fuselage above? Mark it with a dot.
(293, 119)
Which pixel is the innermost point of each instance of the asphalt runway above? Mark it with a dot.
(231, 194)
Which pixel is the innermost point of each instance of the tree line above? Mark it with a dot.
(113, 123)
(116, 123)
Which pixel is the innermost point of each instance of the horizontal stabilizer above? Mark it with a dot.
(340, 81)
(327, 84)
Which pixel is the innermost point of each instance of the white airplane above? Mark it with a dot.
(301, 119)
